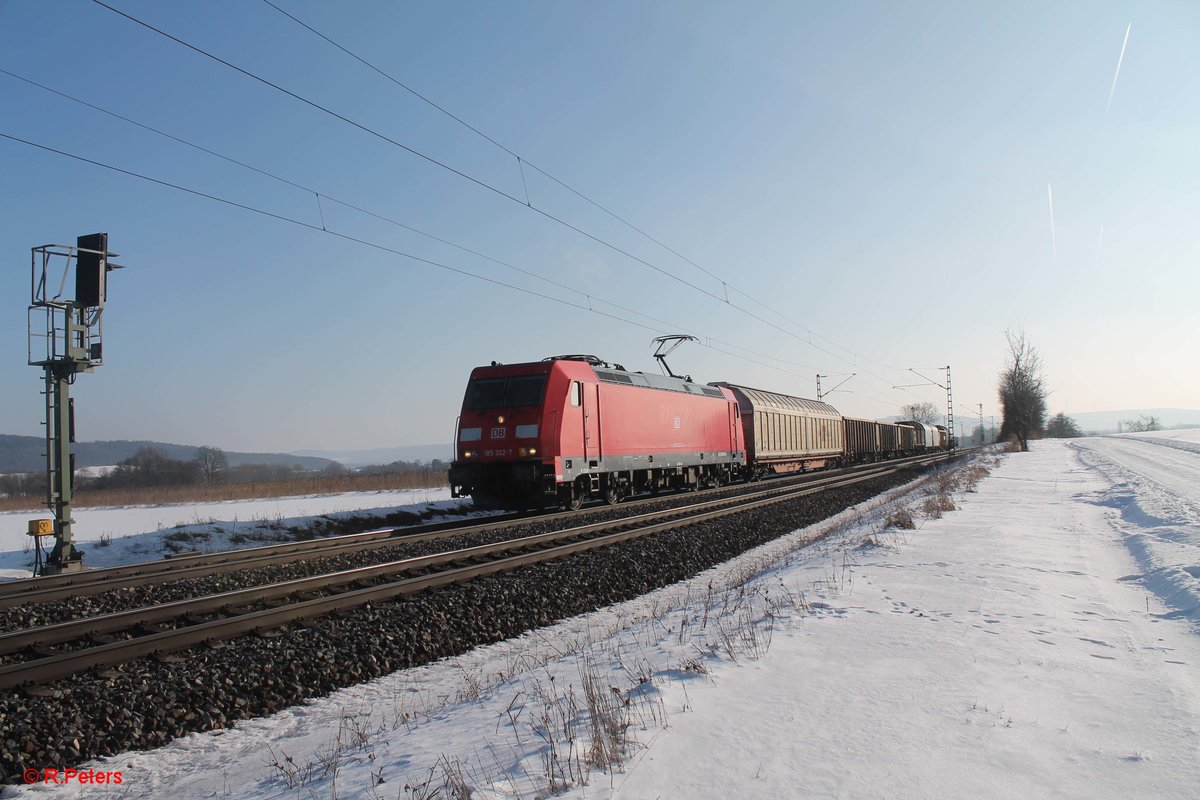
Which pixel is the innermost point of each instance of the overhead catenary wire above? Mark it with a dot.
(384, 137)
(522, 161)
(384, 218)
(368, 243)
(317, 228)
(274, 176)
(498, 191)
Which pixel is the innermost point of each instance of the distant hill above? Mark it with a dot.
(24, 454)
(384, 455)
(1106, 421)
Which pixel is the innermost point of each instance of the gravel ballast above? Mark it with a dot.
(150, 702)
(79, 607)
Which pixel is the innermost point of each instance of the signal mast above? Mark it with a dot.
(65, 339)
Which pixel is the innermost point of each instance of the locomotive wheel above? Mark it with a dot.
(574, 502)
(612, 494)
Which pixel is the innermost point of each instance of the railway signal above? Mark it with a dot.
(65, 339)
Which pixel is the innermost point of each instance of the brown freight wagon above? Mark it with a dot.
(890, 439)
(862, 440)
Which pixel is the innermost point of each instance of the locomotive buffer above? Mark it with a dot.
(65, 339)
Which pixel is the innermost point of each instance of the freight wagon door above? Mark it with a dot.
(591, 421)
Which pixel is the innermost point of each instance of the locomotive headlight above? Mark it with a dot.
(527, 451)
(500, 420)
(469, 453)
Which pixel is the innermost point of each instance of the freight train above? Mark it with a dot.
(569, 428)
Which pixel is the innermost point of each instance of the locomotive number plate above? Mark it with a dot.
(498, 433)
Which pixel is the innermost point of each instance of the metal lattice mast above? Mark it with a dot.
(949, 409)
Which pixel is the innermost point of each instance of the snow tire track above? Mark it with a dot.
(1155, 497)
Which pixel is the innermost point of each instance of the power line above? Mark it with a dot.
(486, 185)
(284, 180)
(406, 148)
(384, 248)
(377, 246)
(319, 194)
(319, 229)
(403, 86)
(563, 184)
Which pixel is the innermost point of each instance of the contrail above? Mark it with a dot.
(1117, 74)
(1053, 238)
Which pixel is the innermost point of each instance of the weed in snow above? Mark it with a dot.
(556, 733)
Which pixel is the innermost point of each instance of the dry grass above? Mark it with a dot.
(936, 505)
(206, 493)
(900, 518)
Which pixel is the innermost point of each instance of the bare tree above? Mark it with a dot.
(1143, 423)
(213, 463)
(924, 411)
(1061, 426)
(1022, 390)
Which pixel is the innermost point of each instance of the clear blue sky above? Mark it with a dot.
(877, 172)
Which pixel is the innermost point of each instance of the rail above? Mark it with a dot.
(495, 557)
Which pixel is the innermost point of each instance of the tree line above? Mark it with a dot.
(150, 467)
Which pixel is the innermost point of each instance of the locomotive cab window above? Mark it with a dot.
(512, 392)
(576, 393)
(488, 393)
(525, 390)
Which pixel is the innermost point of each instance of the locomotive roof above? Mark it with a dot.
(652, 381)
(614, 373)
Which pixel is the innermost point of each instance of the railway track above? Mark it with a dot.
(91, 582)
(148, 631)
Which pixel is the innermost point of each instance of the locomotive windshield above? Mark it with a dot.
(510, 392)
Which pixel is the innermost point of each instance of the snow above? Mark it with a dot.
(1187, 439)
(1036, 642)
(1154, 488)
(141, 533)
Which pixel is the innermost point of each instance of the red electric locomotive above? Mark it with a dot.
(567, 428)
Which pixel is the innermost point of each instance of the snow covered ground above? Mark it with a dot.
(144, 533)
(1186, 439)
(1041, 641)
